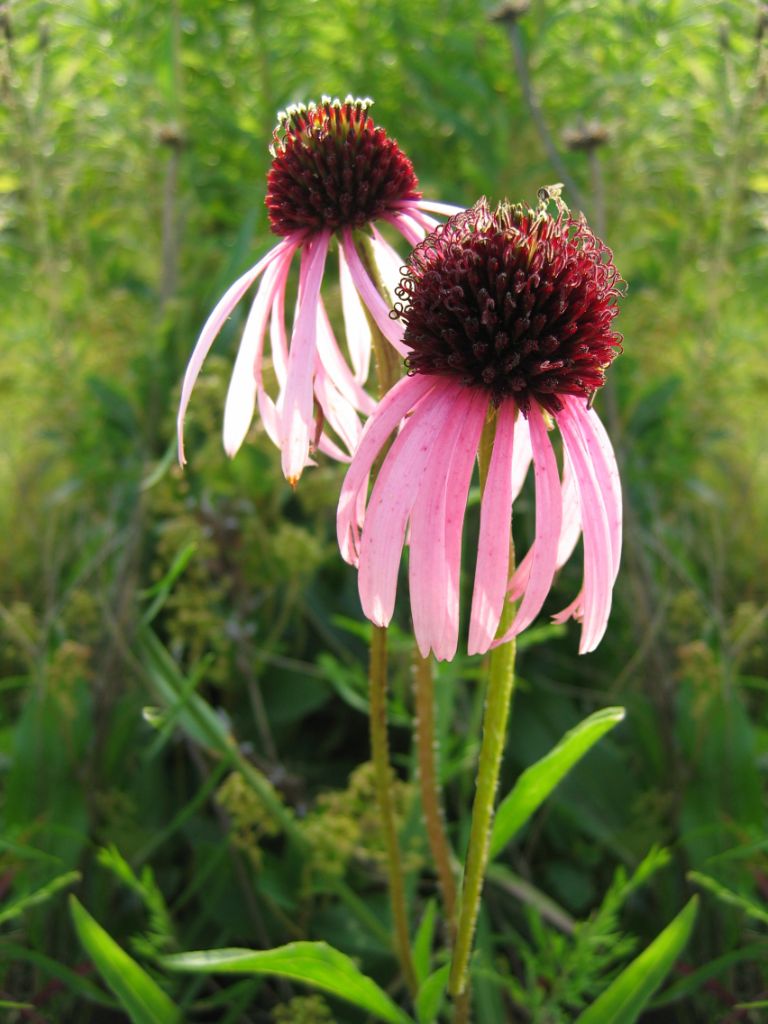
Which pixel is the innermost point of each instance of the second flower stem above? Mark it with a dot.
(384, 791)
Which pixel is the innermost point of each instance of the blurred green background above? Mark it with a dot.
(165, 635)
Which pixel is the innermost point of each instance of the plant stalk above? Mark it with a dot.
(383, 777)
(498, 702)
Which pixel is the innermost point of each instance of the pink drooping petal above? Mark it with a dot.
(246, 374)
(388, 261)
(444, 209)
(297, 410)
(279, 339)
(608, 480)
(403, 397)
(494, 538)
(436, 525)
(355, 322)
(521, 456)
(391, 329)
(595, 604)
(570, 532)
(338, 413)
(392, 499)
(336, 367)
(427, 223)
(427, 561)
(215, 322)
(571, 528)
(411, 230)
(548, 522)
(457, 488)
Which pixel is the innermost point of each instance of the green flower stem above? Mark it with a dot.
(498, 701)
(383, 777)
(497, 706)
(427, 753)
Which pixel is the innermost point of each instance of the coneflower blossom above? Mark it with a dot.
(508, 318)
(333, 172)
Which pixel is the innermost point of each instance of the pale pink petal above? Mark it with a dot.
(444, 209)
(279, 338)
(411, 230)
(494, 538)
(548, 522)
(336, 366)
(598, 557)
(403, 397)
(394, 493)
(604, 460)
(457, 488)
(389, 263)
(570, 532)
(297, 409)
(213, 325)
(428, 572)
(423, 220)
(391, 329)
(246, 374)
(571, 528)
(521, 456)
(338, 413)
(356, 324)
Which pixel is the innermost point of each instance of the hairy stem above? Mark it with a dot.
(383, 777)
(497, 705)
(429, 784)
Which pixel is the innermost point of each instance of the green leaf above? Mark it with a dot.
(41, 895)
(422, 943)
(693, 982)
(429, 999)
(139, 995)
(315, 963)
(626, 997)
(538, 781)
(725, 895)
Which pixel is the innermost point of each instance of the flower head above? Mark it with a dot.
(333, 173)
(508, 316)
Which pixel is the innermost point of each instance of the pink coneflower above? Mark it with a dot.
(509, 313)
(334, 172)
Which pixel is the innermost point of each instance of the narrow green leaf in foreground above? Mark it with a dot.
(537, 782)
(626, 997)
(139, 995)
(315, 963)
(41, 895)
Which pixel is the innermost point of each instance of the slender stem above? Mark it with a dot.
(498, 700)
(497, 705)
(383, 776)
(537, 116)
(427, 753)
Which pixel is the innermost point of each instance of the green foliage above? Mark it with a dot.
(315, 963)
(182, 661)
(139, 995)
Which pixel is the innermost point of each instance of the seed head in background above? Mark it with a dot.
(333, 172)
(507, 312)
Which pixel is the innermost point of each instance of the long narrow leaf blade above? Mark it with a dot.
(315, 963)
(538, 781)
(627, 996)
(139, 995)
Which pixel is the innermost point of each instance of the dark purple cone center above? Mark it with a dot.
(333, 168)
(514, 301)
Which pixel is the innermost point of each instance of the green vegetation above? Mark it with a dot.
(183, 743)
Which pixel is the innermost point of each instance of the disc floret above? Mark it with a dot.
(333, 167)
(515, 301)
